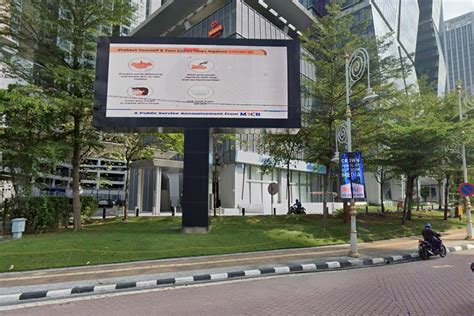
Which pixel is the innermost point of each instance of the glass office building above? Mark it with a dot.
(458, 40)
(241, 182)
(430, 61)
(397, 17)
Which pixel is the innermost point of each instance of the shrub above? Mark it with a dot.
(43, 213)
(89, 205)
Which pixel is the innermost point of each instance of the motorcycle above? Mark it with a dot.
(425, 250)
(295, 210)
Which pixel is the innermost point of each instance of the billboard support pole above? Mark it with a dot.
(196, 181)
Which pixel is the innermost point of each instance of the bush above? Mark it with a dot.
(43, 213)
(88, 206)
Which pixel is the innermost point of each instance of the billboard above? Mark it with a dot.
(197, 83)
(352, 176)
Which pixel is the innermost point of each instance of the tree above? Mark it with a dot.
(59, 37)
(30, 144)
(326, 45)
(135, 146)
(413, 137)
(283, 149)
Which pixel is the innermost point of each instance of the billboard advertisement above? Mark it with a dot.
(352, 183)
(186, 83)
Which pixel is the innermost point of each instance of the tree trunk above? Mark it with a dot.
(127, 186)
(382, 180)
(446, 198)
(325, 196)
(288, 184)
(409, 198)
(417, 195)
(440, 184)
(76, 160)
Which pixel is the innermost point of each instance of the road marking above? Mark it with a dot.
(443, 266)
(308, 266)
(252, 272)
(333, 264)
(184, 280)
(146, 283)
(282, 269)
(219, 276)
(59, 293)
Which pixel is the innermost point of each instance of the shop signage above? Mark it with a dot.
(216, 30)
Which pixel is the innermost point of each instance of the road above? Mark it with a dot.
(433, 287)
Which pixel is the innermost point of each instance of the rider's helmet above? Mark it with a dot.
(427, 226)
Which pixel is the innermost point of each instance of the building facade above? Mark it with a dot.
(429, 58)
(235, 162)
(458, 40)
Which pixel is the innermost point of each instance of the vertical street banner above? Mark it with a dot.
(352, 176)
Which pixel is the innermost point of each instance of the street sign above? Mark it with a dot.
(352, 176)
(273, 188)
(466, 189)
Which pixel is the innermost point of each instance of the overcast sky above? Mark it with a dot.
(454, 8)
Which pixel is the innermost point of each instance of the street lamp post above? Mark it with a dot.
(467, 202)
(356, 66)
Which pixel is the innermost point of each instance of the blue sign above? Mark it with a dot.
(352, 176)
(466, 189)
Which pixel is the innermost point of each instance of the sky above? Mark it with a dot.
(454, 8)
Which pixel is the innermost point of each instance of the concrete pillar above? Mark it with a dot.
(157, 193)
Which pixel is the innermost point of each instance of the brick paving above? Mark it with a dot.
(433, 287)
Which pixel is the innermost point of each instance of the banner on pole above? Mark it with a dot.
(352, 183)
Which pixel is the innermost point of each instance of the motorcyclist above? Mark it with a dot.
(298, 206)
(431, 236)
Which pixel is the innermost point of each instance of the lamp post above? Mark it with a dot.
(356, 66)
(467, 202)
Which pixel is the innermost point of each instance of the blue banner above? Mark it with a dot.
(352, 176)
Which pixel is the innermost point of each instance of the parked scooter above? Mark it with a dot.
(425, 249)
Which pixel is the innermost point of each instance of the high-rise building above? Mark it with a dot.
(398, 18)
(429, 58)
(458, 40)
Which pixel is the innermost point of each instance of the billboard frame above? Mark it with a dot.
(225, 125)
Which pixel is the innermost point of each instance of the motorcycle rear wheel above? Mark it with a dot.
(443, 251)
(424, 254)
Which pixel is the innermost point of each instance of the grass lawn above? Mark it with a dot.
(156, 238)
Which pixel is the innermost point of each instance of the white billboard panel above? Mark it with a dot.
(197, 81)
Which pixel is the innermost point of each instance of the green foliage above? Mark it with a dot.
(59, 37)
(89, 205)
(43, 213)
(30, 143)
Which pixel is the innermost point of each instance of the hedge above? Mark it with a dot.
(45, 213)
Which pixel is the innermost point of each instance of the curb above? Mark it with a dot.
(166, 282)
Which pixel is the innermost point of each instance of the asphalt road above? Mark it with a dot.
(433, 287)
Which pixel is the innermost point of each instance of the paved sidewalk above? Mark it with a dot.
(63, 282)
